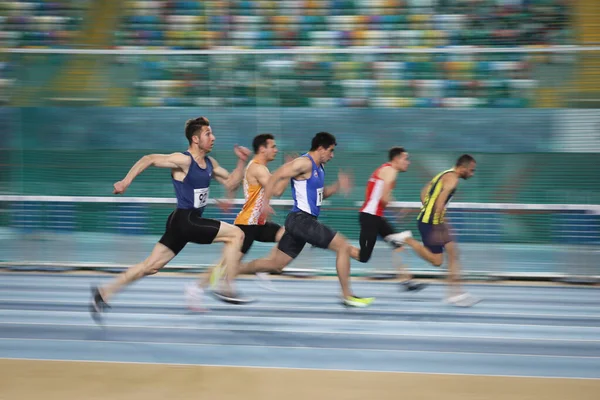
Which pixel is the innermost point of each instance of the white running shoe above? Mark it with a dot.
(194, 297)
(398, 239)
(462, 300)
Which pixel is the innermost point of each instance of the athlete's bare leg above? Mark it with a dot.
(233, 238)
(275, 262)
(204, 279)
(425, 253)
(454, 287)
(263, 277)
(456, 295)
(403, 273)
(406, 277)
(343, 250)
(158, 258)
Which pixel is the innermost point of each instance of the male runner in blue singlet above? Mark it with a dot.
(307, 177)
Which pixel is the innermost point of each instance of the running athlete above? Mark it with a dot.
(378, 195)
(249, 219)
(307, 177)
(435, 232)
(191, 174)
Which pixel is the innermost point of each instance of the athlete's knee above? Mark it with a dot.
(237, 236)
(340, 244)
(240, 235)
(344, 248)
(437, 260)
(279, 262)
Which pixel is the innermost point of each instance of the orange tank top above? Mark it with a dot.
(253, 201)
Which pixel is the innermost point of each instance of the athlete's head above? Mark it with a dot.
(199, 133)
(265, 144)
(323, 144)
(465, 166)
(399, 158)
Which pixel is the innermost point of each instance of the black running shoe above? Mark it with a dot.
(98, 305)
(412, 286)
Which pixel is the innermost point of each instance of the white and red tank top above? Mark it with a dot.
(374, 192)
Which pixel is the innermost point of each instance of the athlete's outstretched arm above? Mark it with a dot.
(262, 174)
(173, 161)
(280, 188)
(299, 166)
(231, 180)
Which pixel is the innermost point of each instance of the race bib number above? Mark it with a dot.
(200, 197)
(319, 197)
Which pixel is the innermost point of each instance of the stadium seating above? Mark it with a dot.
(315, 80)
(341, 23)
(39, 23)
(325, 80)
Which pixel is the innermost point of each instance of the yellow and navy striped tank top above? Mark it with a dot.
(253, 196)
(427, 214)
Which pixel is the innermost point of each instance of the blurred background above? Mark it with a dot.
(88, 87)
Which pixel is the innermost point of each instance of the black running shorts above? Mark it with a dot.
(263, 233)
(187, 225)
(302, 228)
(371, 226)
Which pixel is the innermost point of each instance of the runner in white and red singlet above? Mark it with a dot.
(372, 222)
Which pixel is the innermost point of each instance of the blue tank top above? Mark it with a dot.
(308, 194)
(193, 191)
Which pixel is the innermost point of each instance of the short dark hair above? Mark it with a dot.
(395, 151)
(194, 125)
(261, 140)
(322, 139)
(464, 160)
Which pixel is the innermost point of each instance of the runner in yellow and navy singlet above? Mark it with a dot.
(431, 218)
(435, 233)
